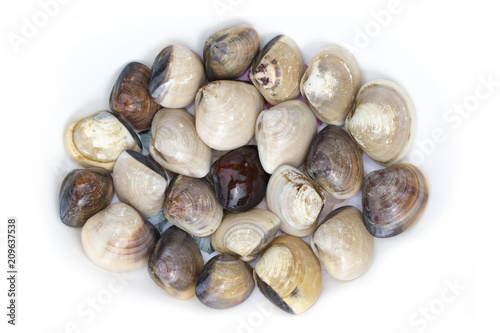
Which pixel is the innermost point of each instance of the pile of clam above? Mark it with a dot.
(253, 168)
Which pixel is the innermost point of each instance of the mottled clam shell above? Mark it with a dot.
(289, 274)
(246, 234)
(130, 96)
(176, 146)
(331, 83)
(225, 282)
(98, 140)
(292, 196)
(192, 206)
(276, 71)
(382, 121)
(343, 244)
(229, 52)
(177, 74)
(394, 198)
(226, 112)
(84, 192)
(118, 239)
(334, 162)
(284, 134)
(176, 263)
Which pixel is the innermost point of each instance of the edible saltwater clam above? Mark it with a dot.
(176, 263)
(98, 140)
(276, 71)
(229, 52)
(226, 112)
(334, 162)
(284, 134)
(176, 146)
(246, 234)
(289, 274)
(177, 74)
(140, 182)
(118, 239)
(224, 282)
(343, 244)
(292, 196)
(394, 198)
(331, 83)
(83, 193)
(130, 96)
(192, 206)
(381, 121)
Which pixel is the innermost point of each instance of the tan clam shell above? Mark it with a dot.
(343, 244)
(293, 198)
(276, 71)
(226, 112)
(331, 83)
(382, 121)
(118, 239)
(284, 133)
(176, 146)
(245, 234)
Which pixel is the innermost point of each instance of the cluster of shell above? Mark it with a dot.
(208, 179)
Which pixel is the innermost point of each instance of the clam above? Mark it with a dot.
(175, 145)
(284, 134)
(192, 206)
(224, 282)
(98, 140)
(382, 121)
(394, 198)
(140, 182)
(229, 52)
(177, 74)
(176, 263)
(331, 83)
(239, 180)
(292, 196)
(289, 274)
(118, 239)
(130, 96)
(245, 234)
(343, 244)
(276, 71)
(334, 162)
(226, 112)
(83, 193)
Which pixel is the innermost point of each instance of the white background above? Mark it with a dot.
(438, 50)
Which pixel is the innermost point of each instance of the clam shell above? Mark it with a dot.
(343, 244)
(176, 263)
(224, 282)
(226, 112)
(118, 239)
(98, 140)
(284, 134)
(334, 162)
(177, 74)
(276, 71)
(331, 83)
(130, 96)
(289, 274)
(394, 198)
(245, 234)
(175, 145)
(83, 193)
(294, 199)
(382, 121)
(229, 52)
